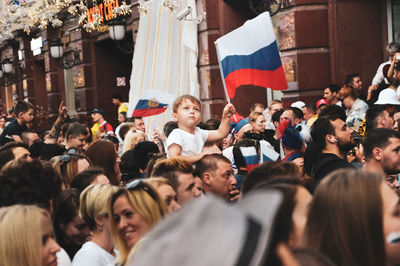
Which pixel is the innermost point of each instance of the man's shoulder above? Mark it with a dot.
(328, 163)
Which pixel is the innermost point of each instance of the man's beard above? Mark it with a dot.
(345, 147)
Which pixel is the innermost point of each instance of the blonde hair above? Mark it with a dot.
(253, 117)
(67, 169)
(21, 235)
(94, 200)
(132, 138)
(151, 209)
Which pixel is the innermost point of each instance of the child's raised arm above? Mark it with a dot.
(224, 127)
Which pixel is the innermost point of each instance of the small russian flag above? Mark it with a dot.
(250, 157)
(267, 152)
(153, 102)
(249, 55)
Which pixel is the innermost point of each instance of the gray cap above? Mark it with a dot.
(209, 231)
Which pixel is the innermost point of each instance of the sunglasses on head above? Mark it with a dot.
(138, 184)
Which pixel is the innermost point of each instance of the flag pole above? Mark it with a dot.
(223, 80)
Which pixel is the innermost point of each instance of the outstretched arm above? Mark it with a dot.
(224, 127)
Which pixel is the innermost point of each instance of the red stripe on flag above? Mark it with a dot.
(149, 111)
(275, 80)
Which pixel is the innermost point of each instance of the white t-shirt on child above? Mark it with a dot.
(192, 144)
(92, 254)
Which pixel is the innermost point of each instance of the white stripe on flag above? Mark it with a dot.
(247, 39)
(267, 149)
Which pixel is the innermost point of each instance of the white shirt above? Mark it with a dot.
(379, 75)
(92, 254)
(63, 258)
(191, 144)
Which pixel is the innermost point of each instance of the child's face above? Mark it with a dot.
(27, 117)
(188, 114)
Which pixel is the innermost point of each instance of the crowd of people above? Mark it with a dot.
(309, 184)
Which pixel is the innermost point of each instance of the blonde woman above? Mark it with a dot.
(27, 237)
(132, 138)
(93, 210)
(133, 211)
(166, 192)
(69, 165)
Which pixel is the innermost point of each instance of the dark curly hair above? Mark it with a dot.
(29, 182)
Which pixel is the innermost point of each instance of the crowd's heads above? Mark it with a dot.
(353, 80)
(274, 106)
(168, 127)
(24, 111)
(167, 193)
(89, 177)
(94, 201)
(116, 99)
(97, 115)
(257, 107)
(29, 182)
(378, 117)
(216, 172)
(13, 151)
(181, 99)
(257, 121)
(102, 153)
(334, 110)
(76, 135)
(354, 196)
(69, 165)
(331, 130)
(268, 171)
(29, 137)
(132, 138)
(180, 175)
(347, 95)
(392, 48)
(308, 111)
(330, 92)
(383, 146)
(27, 236)
(138, 206)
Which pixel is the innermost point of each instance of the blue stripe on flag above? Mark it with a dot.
(252, 159)
(266, 58)
(144, 104)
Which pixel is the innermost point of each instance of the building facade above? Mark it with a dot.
(320, 42)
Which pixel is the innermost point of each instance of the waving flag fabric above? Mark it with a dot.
(267, 152)
(249, 55)
(250, 157)
(153, 102)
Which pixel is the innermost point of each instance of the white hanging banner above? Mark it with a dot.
(165, 56)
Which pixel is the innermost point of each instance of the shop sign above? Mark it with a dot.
(105, 10)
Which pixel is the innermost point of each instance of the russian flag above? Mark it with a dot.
(267, 152)
(250, 157)
(152, 102)
(249, 55)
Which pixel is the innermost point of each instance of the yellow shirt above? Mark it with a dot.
(122, 108)
(311, 121)
(95, 128)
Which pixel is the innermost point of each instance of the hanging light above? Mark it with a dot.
(117, 29)
(56, 48)
(7, 66)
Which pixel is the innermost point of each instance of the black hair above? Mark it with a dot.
(371, 116)
(50, 150)
(322, 127)
(65, 211)
(75, 129)
(6, 152)
(36, 149)
(116, 96)
(378, 138)
(333, 88)
(267, 172)
(29, 182)
(349, 78)
(334, 110)
(22, 107)
(276, 117)
(169, 126)
(212, 124)
(123, 130)
(297, 113)
(310, 107)
(85, 178)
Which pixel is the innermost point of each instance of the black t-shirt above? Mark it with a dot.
(325, 164)
(13, 128)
